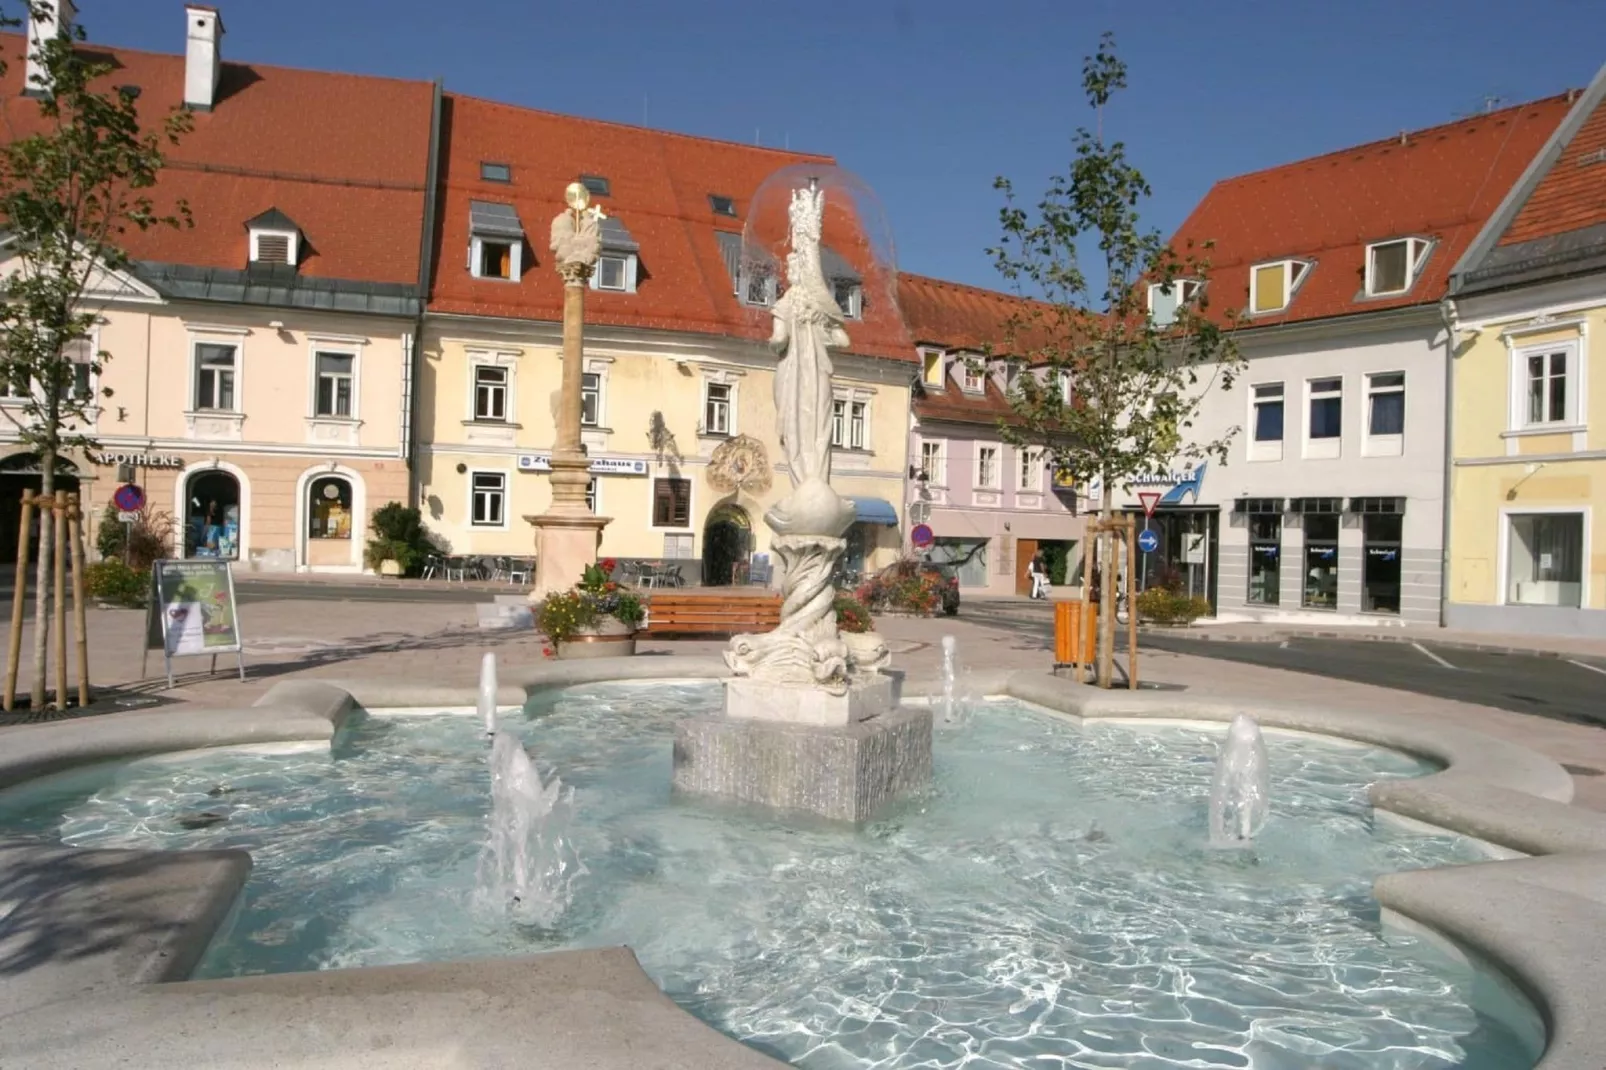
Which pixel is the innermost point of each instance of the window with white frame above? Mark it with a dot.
(79, 356)
(671, 503)
(849, 297)
(1385, 404)
(1029, 471)
(590, 399)
(336, 374)
(1546, 385)
(934, 462)
(215, 376)
(1067, 389)
(848, 424)
(592, 495)
(1326, 408)
(490, 393)
(931, 367)
(1272, 286)
(496, 259)
(612, 272)
(273, 246)
(973, 376)
(1393, 266)
(496, 241)
(987, 467)
(1268, 412)
(717, 409)
(488, 499)
(1166, 298)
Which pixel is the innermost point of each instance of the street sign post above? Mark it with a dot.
(1150, 499)
(1148, 541)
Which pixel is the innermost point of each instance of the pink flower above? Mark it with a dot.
(547, 651)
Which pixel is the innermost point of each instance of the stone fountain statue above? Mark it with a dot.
(805, 651)
(808, 725)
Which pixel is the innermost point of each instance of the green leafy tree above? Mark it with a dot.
(1119, 392)
(70, 192)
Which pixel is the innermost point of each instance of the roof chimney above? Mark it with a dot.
(51, 18)
(202, 57)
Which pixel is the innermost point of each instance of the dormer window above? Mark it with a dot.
(275, 239)
(1392, 267)
(1272, 286)
(596, 185)
(722, 205)
(619, 265)
(972, 376)
(931, 373)
(849, 297)
(496, 241)
(1166, 298)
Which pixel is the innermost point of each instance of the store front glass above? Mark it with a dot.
(1265, 557)
(1185, 559)
(1380, 564)
(212, 515)
(1321, 561)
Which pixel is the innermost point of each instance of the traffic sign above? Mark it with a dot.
(921, 537)
(128, 516)
(1150, 499)
(129, 497)
(1148, 541)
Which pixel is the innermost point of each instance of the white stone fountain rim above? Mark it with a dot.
(1541, 920)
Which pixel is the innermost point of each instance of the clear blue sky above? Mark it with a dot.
(929, 100)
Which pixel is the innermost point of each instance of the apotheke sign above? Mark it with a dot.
(142, 460)
(600, 466)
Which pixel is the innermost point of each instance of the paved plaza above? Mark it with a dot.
(293, 630)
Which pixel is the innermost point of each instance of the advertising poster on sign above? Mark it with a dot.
(192, 611)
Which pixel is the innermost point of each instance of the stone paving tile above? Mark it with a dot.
(440, 642)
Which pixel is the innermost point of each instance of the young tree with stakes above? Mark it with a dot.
(1118, 392)
(69, 193)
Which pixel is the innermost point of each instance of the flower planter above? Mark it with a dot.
(390, 567)
(608, 638)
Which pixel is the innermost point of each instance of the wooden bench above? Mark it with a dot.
(710, 612)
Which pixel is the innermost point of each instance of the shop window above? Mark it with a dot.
(1321, 561)
(1380, 563)
(964, 558)
(329, 508)
(1546, 560)
(212, 515)
(1265, 558)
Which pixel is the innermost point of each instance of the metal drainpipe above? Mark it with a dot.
(1447, 313)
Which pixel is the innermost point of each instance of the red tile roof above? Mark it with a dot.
(1443, 183)
(659, 187)
(1572, 194)
(342, 155)
(956, 316)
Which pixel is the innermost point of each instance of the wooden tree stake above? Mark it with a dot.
(75, 535)
(58, 614)
(19, 597)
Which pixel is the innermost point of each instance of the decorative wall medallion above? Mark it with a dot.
(740, 464)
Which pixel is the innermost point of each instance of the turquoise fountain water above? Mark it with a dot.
(1052, 901)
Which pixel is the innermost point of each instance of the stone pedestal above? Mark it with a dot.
(868, 695)
(841, 773)
(564, 546)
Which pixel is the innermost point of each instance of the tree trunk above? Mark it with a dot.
(43, 578)
(1107, 573)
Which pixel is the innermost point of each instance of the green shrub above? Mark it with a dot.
(113, 581)
(398, 534)
(149, 538)
(1163, 605)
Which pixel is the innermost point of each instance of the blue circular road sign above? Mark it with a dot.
(129, 497)
(1148, 541)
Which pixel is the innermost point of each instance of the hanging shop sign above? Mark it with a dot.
(600, 466)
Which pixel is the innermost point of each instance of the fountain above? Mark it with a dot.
(486, 699)
(1240, 792)
(951, 703)
(527, 868)
(808, 725)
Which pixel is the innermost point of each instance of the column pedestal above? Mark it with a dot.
(564, 546)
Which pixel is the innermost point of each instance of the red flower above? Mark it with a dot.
(607, 564)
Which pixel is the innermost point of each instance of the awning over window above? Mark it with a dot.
(488, 219)
(874, 511)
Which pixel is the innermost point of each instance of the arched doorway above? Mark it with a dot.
(212, 514)
(727, 540)
(20, 472)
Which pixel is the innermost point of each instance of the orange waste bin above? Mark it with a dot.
(1068, 637)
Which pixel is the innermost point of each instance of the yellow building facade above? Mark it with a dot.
(657, 407)
(1528, 437)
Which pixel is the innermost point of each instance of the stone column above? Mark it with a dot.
(567, 534)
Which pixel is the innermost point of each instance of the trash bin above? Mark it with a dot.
(1068, 637)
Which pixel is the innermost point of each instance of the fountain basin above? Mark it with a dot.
(1551, 947)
